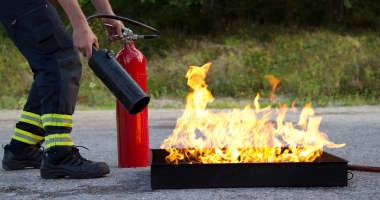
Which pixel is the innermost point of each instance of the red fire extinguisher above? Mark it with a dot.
(132, 129)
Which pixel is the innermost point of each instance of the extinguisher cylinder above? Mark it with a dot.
(133, 130)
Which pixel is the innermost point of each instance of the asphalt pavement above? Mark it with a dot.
(358, 127)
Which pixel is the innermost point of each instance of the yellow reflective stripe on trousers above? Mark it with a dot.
(31, 118)
(57, 120)
(26, 137)
(62, 139)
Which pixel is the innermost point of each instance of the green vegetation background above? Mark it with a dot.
(324, 51)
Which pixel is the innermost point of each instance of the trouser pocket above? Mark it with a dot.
(39, 31)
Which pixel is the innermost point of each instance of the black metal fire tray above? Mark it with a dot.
(328, 170)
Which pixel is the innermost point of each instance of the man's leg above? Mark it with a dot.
(29, 130)
(35, 28)
(38, 33)
(24, 148)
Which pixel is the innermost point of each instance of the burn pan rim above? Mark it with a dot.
(163, 152)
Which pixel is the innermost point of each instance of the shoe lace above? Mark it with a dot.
(38, 146)
(42, 152)
(76, 152)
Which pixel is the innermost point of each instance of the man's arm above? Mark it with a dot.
(103, 6)
(83, 37)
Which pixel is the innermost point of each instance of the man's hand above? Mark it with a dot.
(114, 33)
(83, 39)
(103, 6)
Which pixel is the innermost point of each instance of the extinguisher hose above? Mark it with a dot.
(130, 21)
(364, 168)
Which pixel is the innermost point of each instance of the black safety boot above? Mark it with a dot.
(71, 165)
(30, 156)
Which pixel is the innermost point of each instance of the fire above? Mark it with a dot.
(241, 136)
(273, 82)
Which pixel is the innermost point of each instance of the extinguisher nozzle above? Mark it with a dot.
(139, 105)
(118, 81)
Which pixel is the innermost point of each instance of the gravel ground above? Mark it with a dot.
(358, 127)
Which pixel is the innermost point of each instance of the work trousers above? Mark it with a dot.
(36, 30)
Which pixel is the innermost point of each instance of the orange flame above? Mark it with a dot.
(241, 136)
(273, 82)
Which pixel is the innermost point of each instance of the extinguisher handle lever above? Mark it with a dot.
(141, 25)
(129, 36)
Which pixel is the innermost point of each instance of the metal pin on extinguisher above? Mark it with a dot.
(132, 128)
